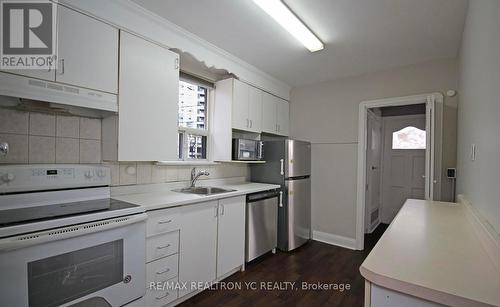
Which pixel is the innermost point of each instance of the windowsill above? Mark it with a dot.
(180, 163)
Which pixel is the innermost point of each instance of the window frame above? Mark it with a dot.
(185, 131)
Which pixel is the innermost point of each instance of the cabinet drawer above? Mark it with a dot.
(162, 221)
(162, 245)
(160, 297)
(162, 269)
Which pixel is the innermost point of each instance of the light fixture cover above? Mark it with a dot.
(282, 15)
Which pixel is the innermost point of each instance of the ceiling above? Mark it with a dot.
(360, 36)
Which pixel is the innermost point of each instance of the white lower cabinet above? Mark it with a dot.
(193, 245)
(212, 241)
(230, 235)
(198, 243)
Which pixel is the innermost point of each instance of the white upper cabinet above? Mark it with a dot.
(146, 127)
(87, 52)
(246, 107)
(282, 116)
(255, 109)
(231, 235)
(275, 115)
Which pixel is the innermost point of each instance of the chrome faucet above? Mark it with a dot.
(195, 176)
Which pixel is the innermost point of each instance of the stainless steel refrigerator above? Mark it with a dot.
(288, 163)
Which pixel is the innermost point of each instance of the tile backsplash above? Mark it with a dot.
(49, 138)
(52, 138)
(131, 173)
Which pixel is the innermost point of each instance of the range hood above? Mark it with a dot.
(41, 90)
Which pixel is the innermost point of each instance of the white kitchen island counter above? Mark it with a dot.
(166, 198)
(432, 251)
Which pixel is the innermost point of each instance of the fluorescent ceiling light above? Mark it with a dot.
(282, 14)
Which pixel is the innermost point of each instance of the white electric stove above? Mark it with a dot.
(64, 241)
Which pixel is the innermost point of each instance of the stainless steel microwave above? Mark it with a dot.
(247, 150)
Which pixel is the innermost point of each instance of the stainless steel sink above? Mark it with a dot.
(203, 190)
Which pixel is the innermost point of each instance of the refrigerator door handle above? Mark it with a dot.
(281, 199)
(282, 167)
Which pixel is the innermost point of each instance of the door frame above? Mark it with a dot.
(430, 100)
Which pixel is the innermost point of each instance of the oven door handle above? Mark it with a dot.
(26, 240)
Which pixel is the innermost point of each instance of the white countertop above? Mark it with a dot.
(166, 198)
(432, 250)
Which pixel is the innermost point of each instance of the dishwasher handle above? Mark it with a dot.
(251, 198)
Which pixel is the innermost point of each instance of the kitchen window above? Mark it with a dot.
(194, 98)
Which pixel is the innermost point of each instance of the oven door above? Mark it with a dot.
(101, 261)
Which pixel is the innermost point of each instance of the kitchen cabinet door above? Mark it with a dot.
(283, 114)
(148, 101)
(198, 244)
(87, 52)
(240, 105)
(255, 109)
(269, 124)
(231, 235)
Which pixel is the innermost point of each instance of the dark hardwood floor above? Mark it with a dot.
(312, 263)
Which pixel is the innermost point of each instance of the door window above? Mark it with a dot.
(409, 138)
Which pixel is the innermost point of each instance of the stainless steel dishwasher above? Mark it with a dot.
(261, 223)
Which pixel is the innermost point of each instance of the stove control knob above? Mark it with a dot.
(8, 177)
(89, 174)
(101, 173)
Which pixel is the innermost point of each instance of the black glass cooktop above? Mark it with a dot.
(11, 217)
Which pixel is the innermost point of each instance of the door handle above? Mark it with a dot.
(282, 167)
(281, 199)
(163, 271)
(164, 246)
(163, 296)
(62, 67)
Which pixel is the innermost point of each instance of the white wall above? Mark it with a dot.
(326, 114)
(479, 110)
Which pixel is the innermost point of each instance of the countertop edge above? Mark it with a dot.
(419, 291)
(200, 199)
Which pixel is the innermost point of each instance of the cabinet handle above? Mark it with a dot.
(222, 211)
(251, 123)
(62, 66)
(281, 199)
(216, 211)
(248, 123)
(163, 271)
(163, 296)
(282, 167)
(164, 246)
(279, 128)
(176, 64)
(164, 222)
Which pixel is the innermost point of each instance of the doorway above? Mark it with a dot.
(396, 157)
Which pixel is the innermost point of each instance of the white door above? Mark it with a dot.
(255, 109)
(283, 114)
(198, 244)
(403, 168)
(231, 235)
(373, 170)
(87, 52)
(240, 105)
(269, 113)
(148, 101)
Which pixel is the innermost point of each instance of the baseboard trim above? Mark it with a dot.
(336, 240)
